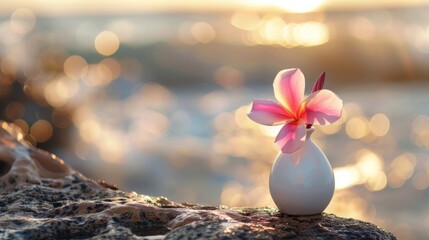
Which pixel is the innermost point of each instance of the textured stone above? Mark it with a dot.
(42, 198)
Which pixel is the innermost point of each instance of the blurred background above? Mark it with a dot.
(152, 95)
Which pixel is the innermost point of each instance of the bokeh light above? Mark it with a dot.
(203, 32)
(107, 43)
(41, 130)
(245, 20)
(379, 124)
(357, 127)
(22, 21)
(73, 66)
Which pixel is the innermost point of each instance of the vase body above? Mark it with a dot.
(302, 182)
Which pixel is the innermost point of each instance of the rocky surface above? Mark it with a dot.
(43, 198)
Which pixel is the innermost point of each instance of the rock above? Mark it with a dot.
(42, 198)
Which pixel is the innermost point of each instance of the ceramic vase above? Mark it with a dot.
(302, 182)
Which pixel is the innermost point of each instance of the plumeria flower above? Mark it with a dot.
(297, 113)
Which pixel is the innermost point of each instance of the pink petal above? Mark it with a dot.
(322, 107)
(268, 113)
(289, 86)
(319, 83)
(291, 136)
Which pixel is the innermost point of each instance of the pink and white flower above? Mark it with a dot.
(297, 113)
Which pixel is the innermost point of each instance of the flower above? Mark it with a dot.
(321, 107)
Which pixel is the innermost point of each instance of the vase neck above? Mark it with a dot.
(309, 132)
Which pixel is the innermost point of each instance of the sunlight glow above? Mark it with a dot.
(272, 29)
(346, 177)
(80, 7)
(289, 5)
(270, 131)
(367, 170)
(245, 20)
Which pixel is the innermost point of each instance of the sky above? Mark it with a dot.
(77, 7)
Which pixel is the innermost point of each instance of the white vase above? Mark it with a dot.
(302, 183)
